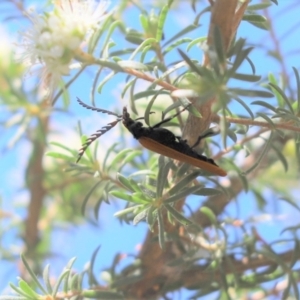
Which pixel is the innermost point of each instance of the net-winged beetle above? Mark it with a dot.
(156, 139)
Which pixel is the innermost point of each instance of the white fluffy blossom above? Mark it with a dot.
(56, 37)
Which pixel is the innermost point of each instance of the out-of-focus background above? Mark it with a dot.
(63, 231)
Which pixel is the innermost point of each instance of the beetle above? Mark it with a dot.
(156, 139)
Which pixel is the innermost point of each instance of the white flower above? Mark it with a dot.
(56, 37)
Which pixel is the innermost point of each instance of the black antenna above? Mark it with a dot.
(99, 132)
(95, 136)
(104, 111)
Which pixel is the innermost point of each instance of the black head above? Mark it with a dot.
(136, 128)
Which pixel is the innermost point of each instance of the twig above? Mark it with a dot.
(250, 122)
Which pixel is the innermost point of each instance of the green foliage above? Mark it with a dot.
(162, 73)
(67, 282)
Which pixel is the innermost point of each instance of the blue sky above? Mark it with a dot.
(110, 235)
